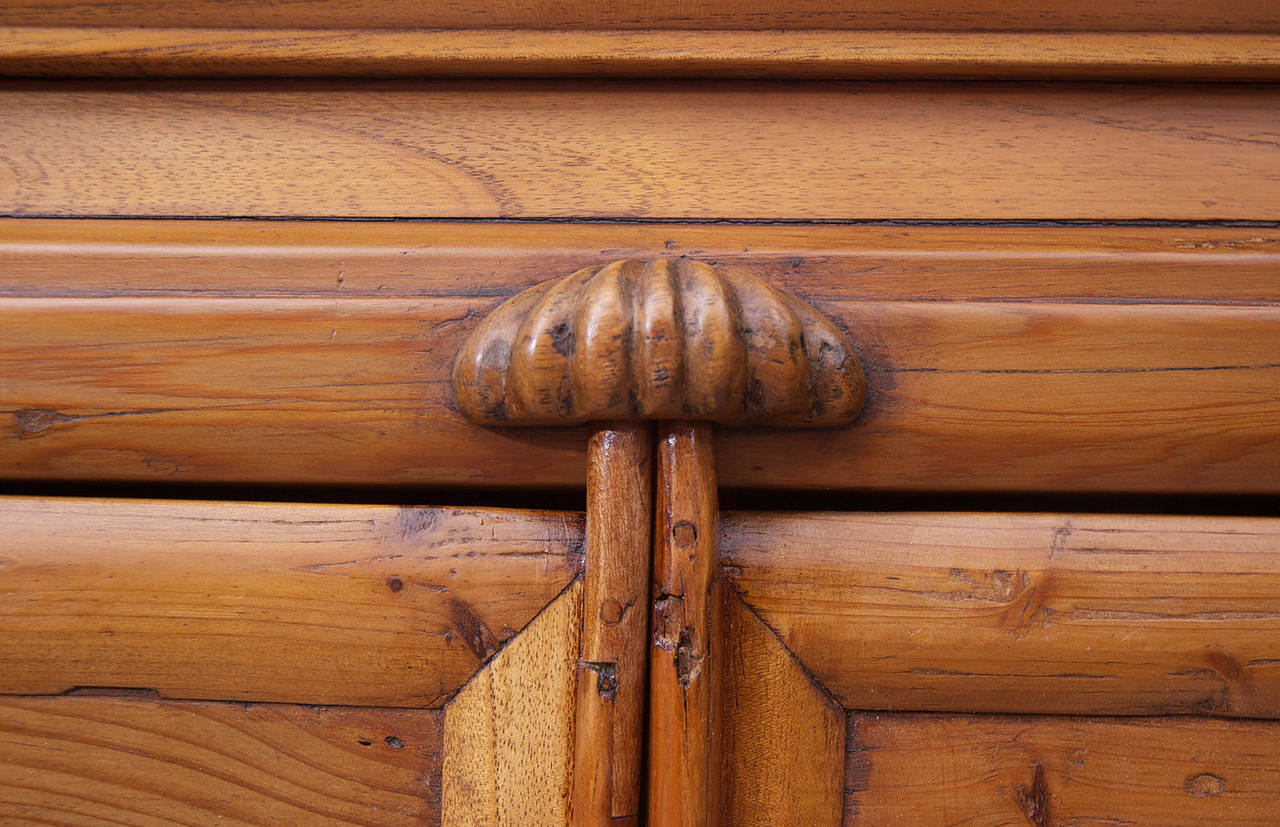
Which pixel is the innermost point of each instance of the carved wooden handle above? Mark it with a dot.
(658, 340)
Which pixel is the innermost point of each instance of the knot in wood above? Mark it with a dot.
(658, 340)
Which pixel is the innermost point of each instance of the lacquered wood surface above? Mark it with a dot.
(1074, 614)
(989, 395)
(942, 769)
(613, 659)
(1121, 15)
(685, 681)
(122, 760)
(114, 51)
(509, 733)
(640, 151)
(393, 606)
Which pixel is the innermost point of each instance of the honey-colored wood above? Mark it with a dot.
(983, 395)
(943, 769)
(784, 737)
(122, 760)
(370, 605)
(47, 258)
(1074, 614)
(685, 683)
(663, 339)
(612, 679)
(113, 51)
(582, 149)
(509, 733)
(1117, 15)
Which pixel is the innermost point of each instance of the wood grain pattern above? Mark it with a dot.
(658, 339)
(1071, 614)
(784, 737)
(113, 51)
(685, 682)
(962, 396)
(942, 769)
(508, 734)
(582, 149)
(613, 674)
(243, 601)
(1116, 15)
(120, 760)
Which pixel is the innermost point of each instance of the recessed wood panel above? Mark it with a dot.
(96, 760)
(783, 735)
(393, 606)
(509, 733)
(656, 150)
(1071, 614)
(937, 769)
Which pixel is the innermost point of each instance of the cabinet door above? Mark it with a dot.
(170, 661)
(935, 668)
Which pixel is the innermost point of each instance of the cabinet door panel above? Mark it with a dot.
(978, 769)
(367, 605)
(1078, 614)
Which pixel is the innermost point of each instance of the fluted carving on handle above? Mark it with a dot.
(665, 339)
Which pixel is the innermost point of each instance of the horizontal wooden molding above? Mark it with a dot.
(1072, 614)
(923, 15)
(490, 261)
(333, 604)
(1000, 358)
(657, 150)
(68, 51)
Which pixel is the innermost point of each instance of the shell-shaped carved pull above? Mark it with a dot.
(658, 340)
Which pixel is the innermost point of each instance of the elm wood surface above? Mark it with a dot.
(114, 51)
(948, 769)
(962, 396)
(612, 668)
(369, 605)
(783, 736)
(509, 733)
(685, 682)
(1078, 614)
(1120, 15)
(45, 258)
(571, 149)
(82, 760)
(658, 339)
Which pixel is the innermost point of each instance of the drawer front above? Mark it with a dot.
(998, 359)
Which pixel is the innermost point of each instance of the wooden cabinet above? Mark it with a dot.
(664, 413)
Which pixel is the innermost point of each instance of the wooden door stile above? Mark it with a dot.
(685, 683)
(612, 662)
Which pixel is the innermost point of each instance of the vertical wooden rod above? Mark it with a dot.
(684, 683)
(613, 662)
